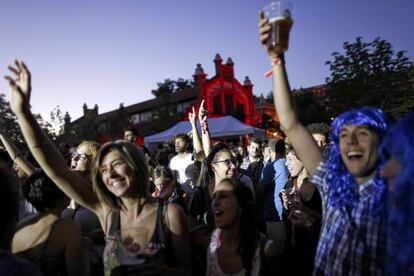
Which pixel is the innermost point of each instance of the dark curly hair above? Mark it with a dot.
(321, 128)
(41, 192)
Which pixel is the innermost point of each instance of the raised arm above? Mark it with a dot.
(205, 133)
(44, 151)
(196, 138)
(16, 155)
(302, 141)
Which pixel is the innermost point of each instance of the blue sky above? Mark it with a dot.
(110, 52)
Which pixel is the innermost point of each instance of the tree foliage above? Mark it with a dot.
(117, 123)
(8, 123)
(10, 128)
(166, 113)
(309, 110)
(371, 73)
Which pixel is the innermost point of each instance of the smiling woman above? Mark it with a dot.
(218, 165)
(235, 246)
(122, 200)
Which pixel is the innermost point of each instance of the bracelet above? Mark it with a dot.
(204, 127)
(277, 61)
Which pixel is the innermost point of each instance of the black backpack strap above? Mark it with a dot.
(162, 222)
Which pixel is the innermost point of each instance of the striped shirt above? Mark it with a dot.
(352, 240)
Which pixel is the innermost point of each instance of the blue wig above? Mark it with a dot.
(399, 144)
(343, 189)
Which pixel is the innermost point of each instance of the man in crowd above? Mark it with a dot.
(320, 132)
(353, 234)
(182, 161)
(130, 134)
(273, 179)
(252, 164)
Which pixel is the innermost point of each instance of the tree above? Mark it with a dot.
(85, 129)
(371, 74)
(118, 122)
(10, 128)
(166, 113)
(309, 110)
(8, 123)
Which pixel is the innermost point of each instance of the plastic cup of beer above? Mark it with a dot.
(279, 15)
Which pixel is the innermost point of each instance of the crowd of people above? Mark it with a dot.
(314, 203)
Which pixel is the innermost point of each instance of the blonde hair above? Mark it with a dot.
(92, 148)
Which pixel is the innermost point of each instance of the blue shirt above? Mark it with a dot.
(352, 240)
(280, 177)
(274, 177)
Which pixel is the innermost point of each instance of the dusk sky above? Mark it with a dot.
(110, 52)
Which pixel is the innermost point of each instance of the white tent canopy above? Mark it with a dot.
(222, 127)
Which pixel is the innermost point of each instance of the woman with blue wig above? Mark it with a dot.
(353, 232)
(398, 171)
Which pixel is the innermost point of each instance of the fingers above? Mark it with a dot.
(262, 20)
(15, 71)
(193, 110)
(24, 68)
(264, 28)
(10, 80)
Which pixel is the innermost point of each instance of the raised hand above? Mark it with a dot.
(202, 117)
(19, 87)
(264, 32)
(192, 117)
(202, 113)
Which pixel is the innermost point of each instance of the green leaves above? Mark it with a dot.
(371, 73)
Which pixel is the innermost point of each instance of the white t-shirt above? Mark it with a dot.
(179, 165)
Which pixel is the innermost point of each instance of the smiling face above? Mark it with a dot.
(223, 165)
(294, 165)
(225, 207)
(358, 146)
(117, 176)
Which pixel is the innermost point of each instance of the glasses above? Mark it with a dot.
(228, 162)
(79, 156)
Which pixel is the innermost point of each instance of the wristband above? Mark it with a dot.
(277, 61)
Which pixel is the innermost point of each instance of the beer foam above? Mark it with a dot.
(279, 18)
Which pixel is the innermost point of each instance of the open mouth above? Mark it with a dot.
(117, 183)
(354, 155)
(218, 213)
